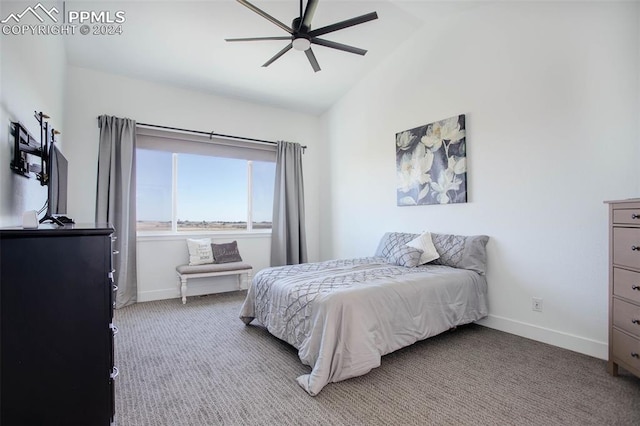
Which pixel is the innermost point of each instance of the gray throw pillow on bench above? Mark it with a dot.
(226, 253)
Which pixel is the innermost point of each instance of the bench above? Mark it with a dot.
(241, 269)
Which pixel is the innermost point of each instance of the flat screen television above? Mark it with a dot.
(57, 186)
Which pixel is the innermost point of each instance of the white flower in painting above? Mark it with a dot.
(407, 201)
(414, 168)
(432, 139)
(457, 166)
(447, 181)
(404, 140)
(440, 131)
(450, 130)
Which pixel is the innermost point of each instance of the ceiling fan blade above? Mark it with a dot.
(277, 55)
(265, 15)
(258, 38)
(339, 46)
(308, 14)
(344, 24)
(312, 60)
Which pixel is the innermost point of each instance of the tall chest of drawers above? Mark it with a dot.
(624, 286)
(56, 351)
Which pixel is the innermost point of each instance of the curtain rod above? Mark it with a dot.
(212, 134)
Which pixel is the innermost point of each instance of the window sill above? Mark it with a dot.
(169, 236)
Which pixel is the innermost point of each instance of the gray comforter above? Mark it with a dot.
(343, 315)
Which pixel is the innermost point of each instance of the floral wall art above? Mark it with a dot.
(431, 163)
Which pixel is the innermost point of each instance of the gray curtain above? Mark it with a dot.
(116, 199)
(288, 236)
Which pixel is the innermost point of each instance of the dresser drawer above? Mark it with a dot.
(626, 216)
(626, 316)
(626, 247)
(626, 349)
(626, 284)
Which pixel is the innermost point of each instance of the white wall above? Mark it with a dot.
(91, 93)
(550, 95)
(31, 79)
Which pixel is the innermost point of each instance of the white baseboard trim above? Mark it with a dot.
(151, 295)
(546, 335)
(194, 289)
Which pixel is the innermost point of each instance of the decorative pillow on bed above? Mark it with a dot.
(403, 255)
(200, 251)
(461, 251)
(424, 243)
(225, 253)
(391, 240)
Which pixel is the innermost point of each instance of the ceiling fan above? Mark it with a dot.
(302, 36)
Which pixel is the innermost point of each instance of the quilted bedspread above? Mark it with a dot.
(344, 315)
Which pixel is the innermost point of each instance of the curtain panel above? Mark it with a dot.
(116, 199)
(288, 235)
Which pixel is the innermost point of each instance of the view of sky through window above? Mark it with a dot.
(211, 194)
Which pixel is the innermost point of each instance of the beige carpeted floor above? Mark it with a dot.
(198, 364)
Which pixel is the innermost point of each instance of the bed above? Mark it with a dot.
(343, 315)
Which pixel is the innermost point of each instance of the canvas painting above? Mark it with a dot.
(431, 163)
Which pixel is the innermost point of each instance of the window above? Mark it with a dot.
(153, 192)
(187, 187)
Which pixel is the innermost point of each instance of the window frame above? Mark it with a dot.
(162, 140)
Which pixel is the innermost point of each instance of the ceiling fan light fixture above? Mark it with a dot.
(301, 44)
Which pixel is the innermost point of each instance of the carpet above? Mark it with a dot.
(198, 364)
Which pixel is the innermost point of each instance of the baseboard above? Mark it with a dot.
(546, 335)
(194, 289)
(151, 295)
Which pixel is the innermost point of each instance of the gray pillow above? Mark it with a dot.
(225, 253)
(461, 251)
(391, 240)
(402, 255)
(457, 251)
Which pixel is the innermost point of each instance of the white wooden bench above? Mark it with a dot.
(241, 269)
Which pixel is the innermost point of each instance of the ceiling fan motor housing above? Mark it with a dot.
(301, 40)
(299, 30)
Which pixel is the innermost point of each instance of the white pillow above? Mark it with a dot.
(423, 242)
(200, 251)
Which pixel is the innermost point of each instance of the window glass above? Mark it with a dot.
(153, 191)
(263, 179)
(211, 193)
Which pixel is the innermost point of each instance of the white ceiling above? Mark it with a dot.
(182, 43)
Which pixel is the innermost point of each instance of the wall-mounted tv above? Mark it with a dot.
(57, 187)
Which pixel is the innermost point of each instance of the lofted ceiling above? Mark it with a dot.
(182, 43)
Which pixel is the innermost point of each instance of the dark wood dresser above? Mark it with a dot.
(56, 301)
(624, 286)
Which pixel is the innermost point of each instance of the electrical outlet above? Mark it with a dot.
(536, 304)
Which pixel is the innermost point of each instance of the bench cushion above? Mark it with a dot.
(212, 267)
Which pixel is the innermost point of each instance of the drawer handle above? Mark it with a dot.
(116, 252)
(635, 355)
(635, 248)
(635, 216)
(635, 287)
